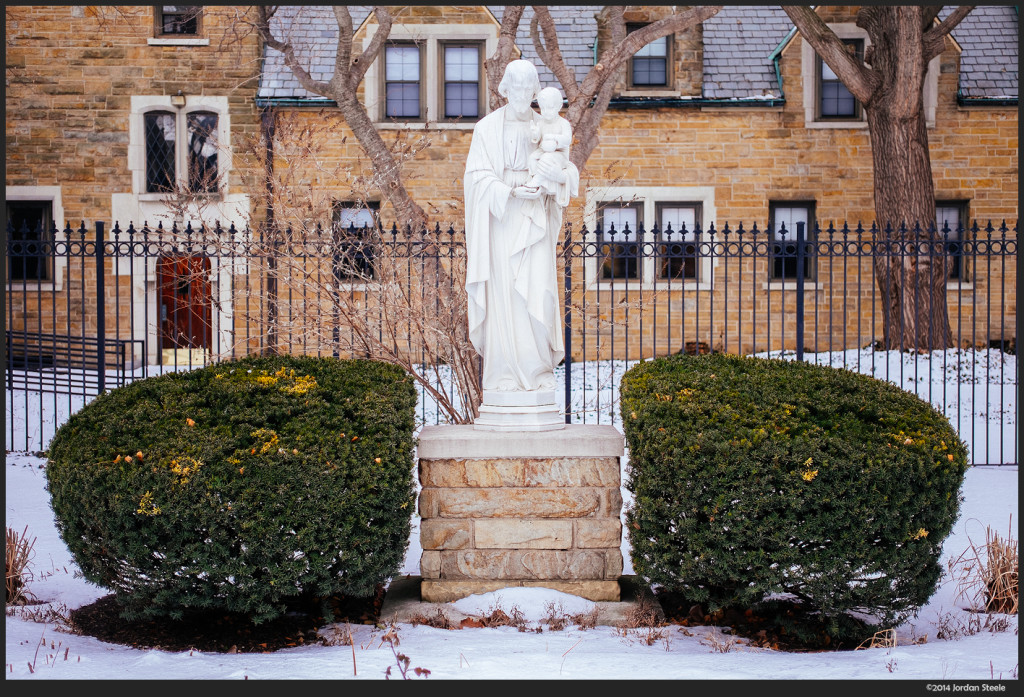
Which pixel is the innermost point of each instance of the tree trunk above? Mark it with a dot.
(913, 270)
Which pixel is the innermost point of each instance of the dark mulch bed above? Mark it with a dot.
(784, 626)
(222, 632)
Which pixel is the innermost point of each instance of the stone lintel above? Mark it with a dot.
(465, 441)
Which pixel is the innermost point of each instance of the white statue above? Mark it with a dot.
(512, 231)
(552, 134)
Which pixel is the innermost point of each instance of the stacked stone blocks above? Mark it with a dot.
(503, 509)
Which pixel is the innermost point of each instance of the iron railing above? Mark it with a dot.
(90, 309)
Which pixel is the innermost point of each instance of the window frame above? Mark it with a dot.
(431, 36)
(650, 200)
(141, 106)
(810, 235)
(159, 23)
(367, 254)
(442, 83)
(849, 30)
(614, 253)
(858, 44)
(43, 194)
(959, 271)
(669, 63)
(665, 258)
(421, 82)
(44, 261)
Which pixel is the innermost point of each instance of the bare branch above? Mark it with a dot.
(858, 78)
(928, 15)
(343, 56)
(495, 65)
(621, 51)
(550, 52)
(934, 38)
(363, 62)
(305, 79)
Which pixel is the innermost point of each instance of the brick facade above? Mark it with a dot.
(72, 72)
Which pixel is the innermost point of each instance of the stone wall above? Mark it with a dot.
(505, 509)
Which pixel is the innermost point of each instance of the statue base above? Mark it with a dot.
(519, 411)
(500, 510)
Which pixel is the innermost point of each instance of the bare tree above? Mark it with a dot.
(588, 100)
(438, 318)
(890, 86)
(342, 88)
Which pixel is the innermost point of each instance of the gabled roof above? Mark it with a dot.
(738, 45)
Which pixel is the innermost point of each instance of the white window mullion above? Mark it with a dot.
(429, 77)
(181, 150)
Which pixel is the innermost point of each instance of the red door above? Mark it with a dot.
(183, 288)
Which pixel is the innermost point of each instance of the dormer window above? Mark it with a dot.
(462, 79)
(651, 65)
(834, 99)
(403, 79)
(430, 76)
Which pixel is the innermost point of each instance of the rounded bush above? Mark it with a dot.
(239, 486)
(756, 477)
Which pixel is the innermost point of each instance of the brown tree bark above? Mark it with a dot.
(588, 100)
(890, 86)
(348, 73)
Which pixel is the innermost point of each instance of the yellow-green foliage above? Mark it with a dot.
(240, 485)
(756, 477)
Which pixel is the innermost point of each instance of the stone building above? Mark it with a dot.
(735, 121)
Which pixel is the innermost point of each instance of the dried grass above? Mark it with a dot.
(884, 639)
(987, 577)
(17, 556)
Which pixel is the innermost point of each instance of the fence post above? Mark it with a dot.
(567, 325)
(800, 257)
(101, 319)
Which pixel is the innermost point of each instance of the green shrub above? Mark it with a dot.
(756, 477)
(239, 486)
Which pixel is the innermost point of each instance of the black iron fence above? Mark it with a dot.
(89, 309)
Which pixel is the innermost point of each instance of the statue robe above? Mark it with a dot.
(511, 279)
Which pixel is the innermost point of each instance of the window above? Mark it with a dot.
(619, 231)
(402, 80)
(678, 237)
(950, 222)
(354, 244)
(430, 76)
(650, 66)
(783, 219)
(462, 79)
(192, 166)
(649, 236)
(178, 20)
(30, 234)
(834, 100)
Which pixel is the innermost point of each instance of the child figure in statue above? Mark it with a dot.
(553, 134)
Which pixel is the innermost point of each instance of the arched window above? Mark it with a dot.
(181, 151)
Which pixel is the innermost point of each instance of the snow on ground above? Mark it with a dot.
(606, 653)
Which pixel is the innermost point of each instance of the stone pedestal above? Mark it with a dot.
(519, 411)
(508, 508)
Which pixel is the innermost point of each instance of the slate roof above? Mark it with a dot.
(738, 44)
(989, 62)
